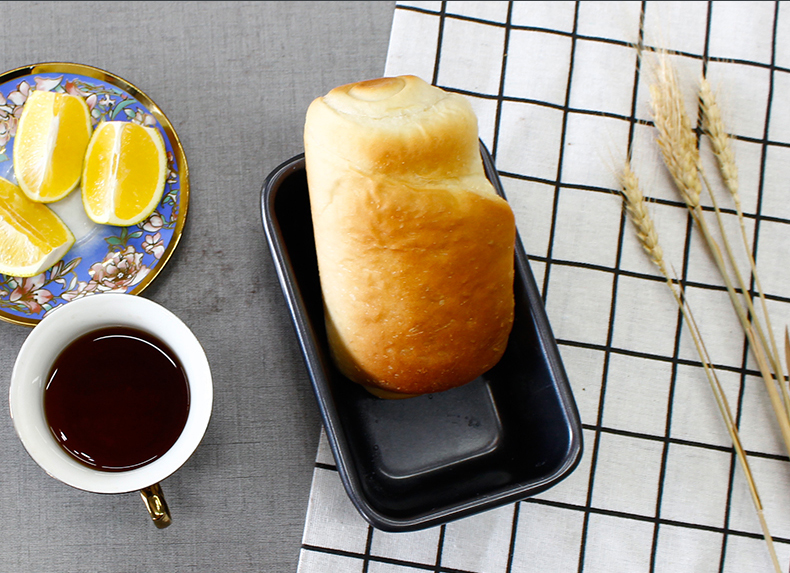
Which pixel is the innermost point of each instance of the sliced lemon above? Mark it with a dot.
(32, 236)
(50, 144)
(124, 176)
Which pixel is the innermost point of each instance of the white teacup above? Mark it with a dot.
(32, 368)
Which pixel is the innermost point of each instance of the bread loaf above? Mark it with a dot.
(415, 248)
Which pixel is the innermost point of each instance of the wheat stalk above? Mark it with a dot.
(770, 352)
(678, 145)
(714, 128)
(648, 239)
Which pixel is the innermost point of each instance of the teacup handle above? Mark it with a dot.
(156, 505)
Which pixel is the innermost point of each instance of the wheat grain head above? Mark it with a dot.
(676, 138)
(713, 126)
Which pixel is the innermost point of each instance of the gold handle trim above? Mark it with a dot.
(155, 503)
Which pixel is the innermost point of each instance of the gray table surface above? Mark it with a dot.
(235, 79)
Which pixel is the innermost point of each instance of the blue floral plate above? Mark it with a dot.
(104, 258)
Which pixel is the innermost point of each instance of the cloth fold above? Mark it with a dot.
(561, 90)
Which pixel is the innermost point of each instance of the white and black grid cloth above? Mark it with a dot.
(561, 102)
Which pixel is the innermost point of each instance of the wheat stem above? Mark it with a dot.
(724, 407)
(648, 238)
(714, 128)
(771, 352)
(776, 401)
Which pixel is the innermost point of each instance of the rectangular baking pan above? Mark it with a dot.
(414, 463)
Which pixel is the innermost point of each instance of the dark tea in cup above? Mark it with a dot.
(117, 398)
(112, 393)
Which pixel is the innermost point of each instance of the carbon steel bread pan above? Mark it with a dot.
(414, 463)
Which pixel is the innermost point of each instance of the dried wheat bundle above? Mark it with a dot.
(678, 144)
(647, 234)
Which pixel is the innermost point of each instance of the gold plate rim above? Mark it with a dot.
(167, 127)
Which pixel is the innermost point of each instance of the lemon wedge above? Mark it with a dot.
(32, 236)
(49, 147)
(124, 175)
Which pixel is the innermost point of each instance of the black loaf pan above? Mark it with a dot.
(414, 463)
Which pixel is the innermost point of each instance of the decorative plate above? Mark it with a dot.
(104, 258)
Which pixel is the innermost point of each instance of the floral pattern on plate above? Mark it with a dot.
(104, 258)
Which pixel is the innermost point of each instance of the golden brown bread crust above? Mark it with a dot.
(415, 249)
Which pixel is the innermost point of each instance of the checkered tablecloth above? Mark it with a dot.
(561, 102)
